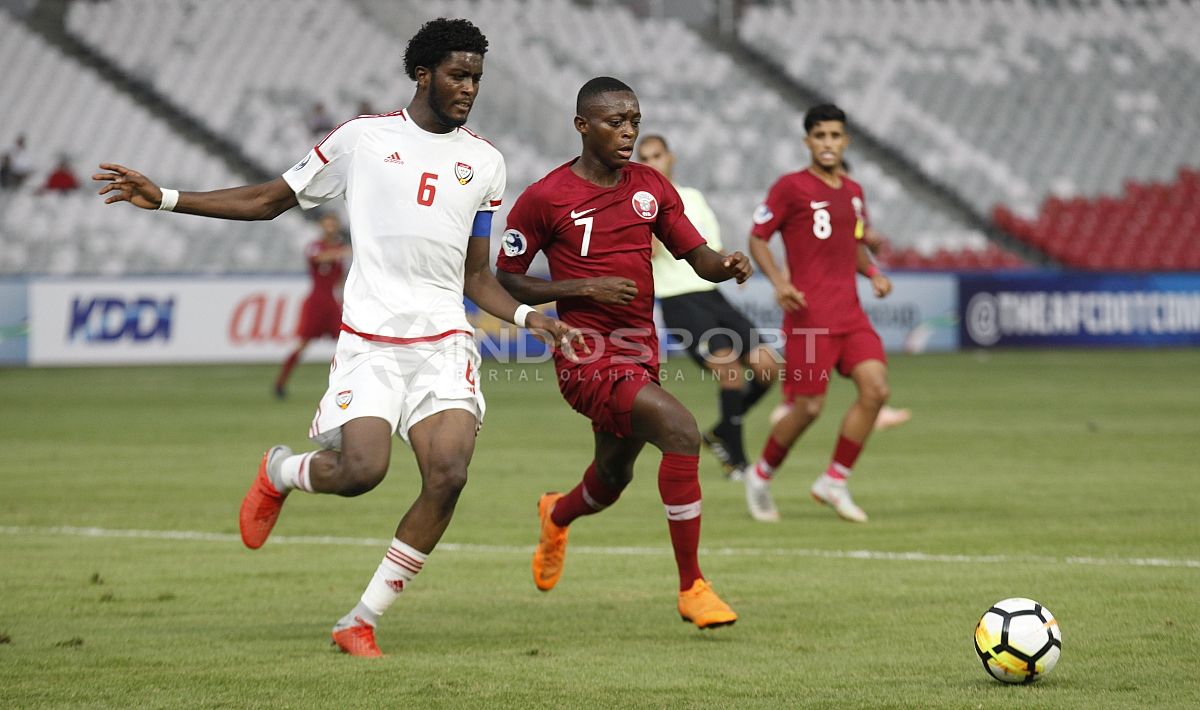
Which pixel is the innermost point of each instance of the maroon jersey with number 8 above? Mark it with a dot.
(821, 227)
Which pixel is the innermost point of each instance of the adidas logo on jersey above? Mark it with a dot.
(394, 158)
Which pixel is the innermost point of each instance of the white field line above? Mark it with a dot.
(201, 536)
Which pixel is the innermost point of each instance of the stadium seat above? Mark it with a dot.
(541, 51)
(77, 233)
(1092, 94)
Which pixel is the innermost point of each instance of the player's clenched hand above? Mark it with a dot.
(790, 299)
(881, 284)
(555, 333)
(612, 290)
(128, 186)
(738, 265)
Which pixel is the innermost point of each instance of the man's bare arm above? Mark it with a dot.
(263, 201)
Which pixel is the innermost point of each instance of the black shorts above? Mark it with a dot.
(707, 323)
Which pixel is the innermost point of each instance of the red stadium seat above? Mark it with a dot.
(1149, 226)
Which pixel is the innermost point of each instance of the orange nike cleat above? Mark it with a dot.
(261, 506)
(357, 640)
(701, 606)
(551, 548)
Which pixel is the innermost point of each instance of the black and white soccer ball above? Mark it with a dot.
(1018, 640)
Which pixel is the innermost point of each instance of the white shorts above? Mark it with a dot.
(400, 383)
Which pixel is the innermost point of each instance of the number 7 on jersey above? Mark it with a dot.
(587, 234)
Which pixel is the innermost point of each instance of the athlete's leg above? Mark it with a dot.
(663, 421)
(805, 377)
(606, 476)
(763, 363)
(724, 440)
(870, 377)
(286, 371)
(443, 443)
(784, 433)
(366, 447)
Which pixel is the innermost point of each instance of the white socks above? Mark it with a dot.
(401, 563)
(293, 473)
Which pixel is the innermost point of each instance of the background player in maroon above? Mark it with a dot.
(822, 217)
(321, 314)
(594, 217)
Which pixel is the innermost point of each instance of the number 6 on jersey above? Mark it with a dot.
(427, 189)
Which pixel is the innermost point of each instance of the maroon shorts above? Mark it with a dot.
(810, 360)
(603, 391)
(319, 318)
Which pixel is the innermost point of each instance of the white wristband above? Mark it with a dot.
(521, 314)
(169, 198)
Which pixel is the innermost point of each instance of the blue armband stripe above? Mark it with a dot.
(482, 227)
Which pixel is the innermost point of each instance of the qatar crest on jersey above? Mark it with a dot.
(645, 205)
(514, 243)
(464, 173)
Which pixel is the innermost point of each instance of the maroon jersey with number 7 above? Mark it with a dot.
(589, 231)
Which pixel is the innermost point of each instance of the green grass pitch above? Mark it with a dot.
(1068, 477)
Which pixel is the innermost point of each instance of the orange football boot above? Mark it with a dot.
(357, 640)
(551, 548)
(261, 506)
(701, 606)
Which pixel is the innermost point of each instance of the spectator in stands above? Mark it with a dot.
(319, 121)
(62, 179)
(8, 179)
(720, 336)
(19, 164)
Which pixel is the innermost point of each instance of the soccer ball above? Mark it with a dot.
(1018, 640)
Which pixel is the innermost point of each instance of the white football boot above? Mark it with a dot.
(836, 495)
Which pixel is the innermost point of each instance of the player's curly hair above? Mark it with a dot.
(438, 38)
(823, 112)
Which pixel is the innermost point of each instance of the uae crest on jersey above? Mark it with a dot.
(344, 398)
(645, 205)
(464, 173)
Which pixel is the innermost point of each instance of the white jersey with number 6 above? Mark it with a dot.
(412, 197)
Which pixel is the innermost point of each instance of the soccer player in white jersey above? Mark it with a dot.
(421, 191)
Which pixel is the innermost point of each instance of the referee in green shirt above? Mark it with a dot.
(718, 336)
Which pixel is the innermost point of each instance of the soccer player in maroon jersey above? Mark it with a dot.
(889, 416)
(594, 218)
(822, 218)
(321, 314)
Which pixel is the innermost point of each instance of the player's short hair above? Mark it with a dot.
(437, 39)
(823, 112)
(595, 87)
(655, 137)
